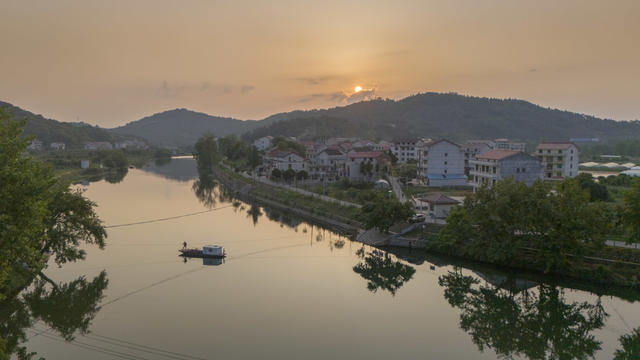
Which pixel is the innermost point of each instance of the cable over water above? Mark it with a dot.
(168, 218)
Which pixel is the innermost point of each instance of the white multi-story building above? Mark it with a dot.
(263, 143)
(330, 164)
(98, 145)
(559, 159)
(492, 166)
(472, 148)
(406, 150)
(57, 146)
(362, 166)
(284, 160)
(441, 163)
(36, 145)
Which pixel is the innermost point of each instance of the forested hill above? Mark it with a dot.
(182, 127)
(452, 116)
(47, 130)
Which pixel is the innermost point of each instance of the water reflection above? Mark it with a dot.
(537, 322)
(67, 309)
(382, 272)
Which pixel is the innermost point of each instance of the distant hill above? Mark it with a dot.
(182, 127)
(451, 116)
(47, 130)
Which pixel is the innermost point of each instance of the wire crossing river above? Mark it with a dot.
(291, 290)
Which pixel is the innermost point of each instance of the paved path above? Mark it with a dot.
(397, 189)
(301, 191)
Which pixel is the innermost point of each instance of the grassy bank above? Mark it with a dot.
(309, 206)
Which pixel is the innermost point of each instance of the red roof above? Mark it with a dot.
(439, 199)
(365, 154)
(553, 145)
(497, 154)
(277, 153)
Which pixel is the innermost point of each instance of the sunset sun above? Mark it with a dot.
(358, 88)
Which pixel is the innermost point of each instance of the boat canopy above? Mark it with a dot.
(212, 250)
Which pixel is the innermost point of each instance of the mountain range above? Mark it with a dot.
(434, 115)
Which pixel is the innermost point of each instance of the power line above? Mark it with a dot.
(167, 218)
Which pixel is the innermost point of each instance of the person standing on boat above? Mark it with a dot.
(184, 245)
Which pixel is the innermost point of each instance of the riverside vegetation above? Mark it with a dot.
(41, 218)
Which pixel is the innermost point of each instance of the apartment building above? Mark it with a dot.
(365, 166)
(492, 166)
(559, 159)
(441, 163)
(506, 144)
(406, 150)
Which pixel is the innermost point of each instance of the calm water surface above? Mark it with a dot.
(290, 290)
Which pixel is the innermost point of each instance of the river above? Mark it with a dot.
(291, 290)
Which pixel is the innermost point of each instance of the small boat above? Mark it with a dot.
(208, 251)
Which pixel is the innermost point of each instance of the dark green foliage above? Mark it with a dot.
(382, 212)
(622, 180)
(288, 145)
(597, 191)
(622, 147)
(64, 310)
(521, 323)
(182, 127)
(206, 153)
(288, 175)
(630, 346)
(630, 213)
(450, 116)
(48, 131)
(302, 175)
(38, 216)
(381, 272)
(496, 223)
(115, 160)
(276, 174)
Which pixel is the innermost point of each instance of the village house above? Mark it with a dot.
(559, 159)
(495, 165)
(36, 145)
(263, 143)
(330, 164)
(365, 166)
(406, 150)
(441, 163)
(472, 148)
(98, 145)
(437, 205)
(284, 160)
(57, 146)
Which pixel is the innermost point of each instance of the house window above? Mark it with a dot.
(445, 171)
(445, 163)
(540, 151)
(445, 154)
(559, 173)
(517, 170)
(524, 170)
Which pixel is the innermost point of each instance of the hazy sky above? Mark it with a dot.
(110, 62)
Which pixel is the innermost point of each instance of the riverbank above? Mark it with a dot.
(332, 215)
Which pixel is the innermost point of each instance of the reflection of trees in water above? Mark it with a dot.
(206, 190)
(630, 346)
(254, 212)
(116, 176)
(538, 326)
(67, 309)
(381, 272)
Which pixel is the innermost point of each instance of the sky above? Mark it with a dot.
(111, 62)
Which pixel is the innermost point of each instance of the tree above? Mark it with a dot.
(115, 159)
(254, 158)
(289, 175)
(38, 215)
(276, 174)
(630, 214)
(382, 212)
(495, 223)
(630, 346)
(206, 153)
(597, 191)
(381, 272)
(302, 175)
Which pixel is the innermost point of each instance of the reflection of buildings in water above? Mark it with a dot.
(505, 282)
(212, 261)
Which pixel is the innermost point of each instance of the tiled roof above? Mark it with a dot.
(277, 153)
(497, 154)
(366, 154)
(553, 145)
(332, 152)
(439, 199)
(434, 142)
